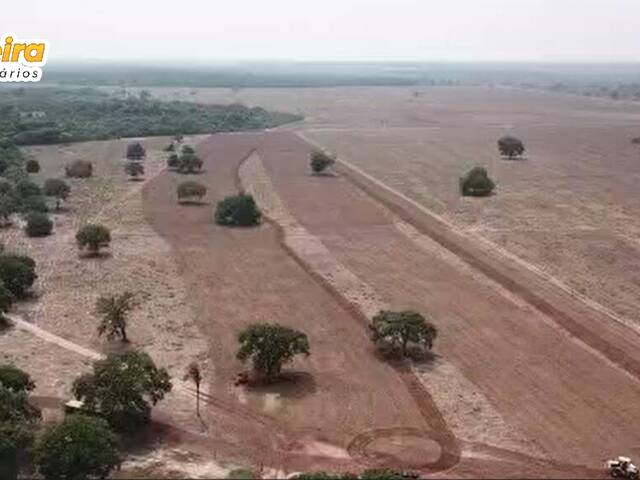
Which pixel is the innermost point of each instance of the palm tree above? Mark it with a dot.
(114, 310)
(194, 374)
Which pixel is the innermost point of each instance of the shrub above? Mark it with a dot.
(38, 225)
(187, 149)
(190, 190)
(476, 183)
(135, 151)
(93, 237)
(14, 379)
(170, 148)
(510, 147)
(8, 202)
(238, 210)
(189, 163)
(320, 161)
(17, 272)
(134, 169)
(173, 161)
(81, 447)
(27, 188)
(56, 188)
(269, 346)
(402, 328)
(79, 169)
(32, 166)
(35, 203)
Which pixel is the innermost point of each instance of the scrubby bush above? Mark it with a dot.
(173, 161)
(476, 183)
(93, 237)
(135, 151)
(81, 447)
(191, 191)
(79, 169)
(38, 225)
(238, 210)
(56, 188)
(320, 161)
(189, 163)
(27, 188)
(32, 166)
(134, 170)
(403, 328)
(510, 146)
(17, 273)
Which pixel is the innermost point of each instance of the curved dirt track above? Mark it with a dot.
(577, 402)
(242, 276)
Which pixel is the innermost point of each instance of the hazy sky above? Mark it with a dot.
(499, 30)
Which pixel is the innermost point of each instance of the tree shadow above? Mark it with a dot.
(415, 353)
(290, 385)
(193, 203)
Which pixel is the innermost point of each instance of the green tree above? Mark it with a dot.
(320, 161)
(17, 273)
(387, 474)
(135, 151)
(173, 161)
(170, 148)
(114, 310)
(195, 375)
(27, 188)
(188, 149)
(58, 189)
(238, 210)
(188, 191)
(14, 379)
(511, 147)
(38, 224)
(32, 166)
(134, 170)
(8, 202)
(121, 387)
(6, 301)
(269, 346)
(476, 183)
(93, 237)
(402, 328)
(189, 163)
(81, 447)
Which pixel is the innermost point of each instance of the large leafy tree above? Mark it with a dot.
(18, 420)
(476, 183)
(238, 210)
(270, 346)
(113, 311)
(121, 388)
(135, 151)
(320, 161)
(402, 328)
(17, 273)
(81, 447)
(58, 189)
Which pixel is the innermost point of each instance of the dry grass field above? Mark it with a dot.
(534, 290)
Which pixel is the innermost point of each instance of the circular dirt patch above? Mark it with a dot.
(398, 447)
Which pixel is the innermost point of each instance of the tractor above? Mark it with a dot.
(622, 468)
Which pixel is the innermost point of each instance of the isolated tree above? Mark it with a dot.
(113, 311)
(135, 151)
(81, 447)
(93, 237)
(17, 273)
(188, 149)
(510, 146)
(402, 328)
(134, 170)
(58, 189)
(27, 188)
(121, 387)
(476, 183)
(189, 163)
(238, 210)
(79, 169)
(188, 191)
(15, 379)
(32, 166)
(195, 375)
(269, 346)
(38, 225)
(173, 161)
(320, 161)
